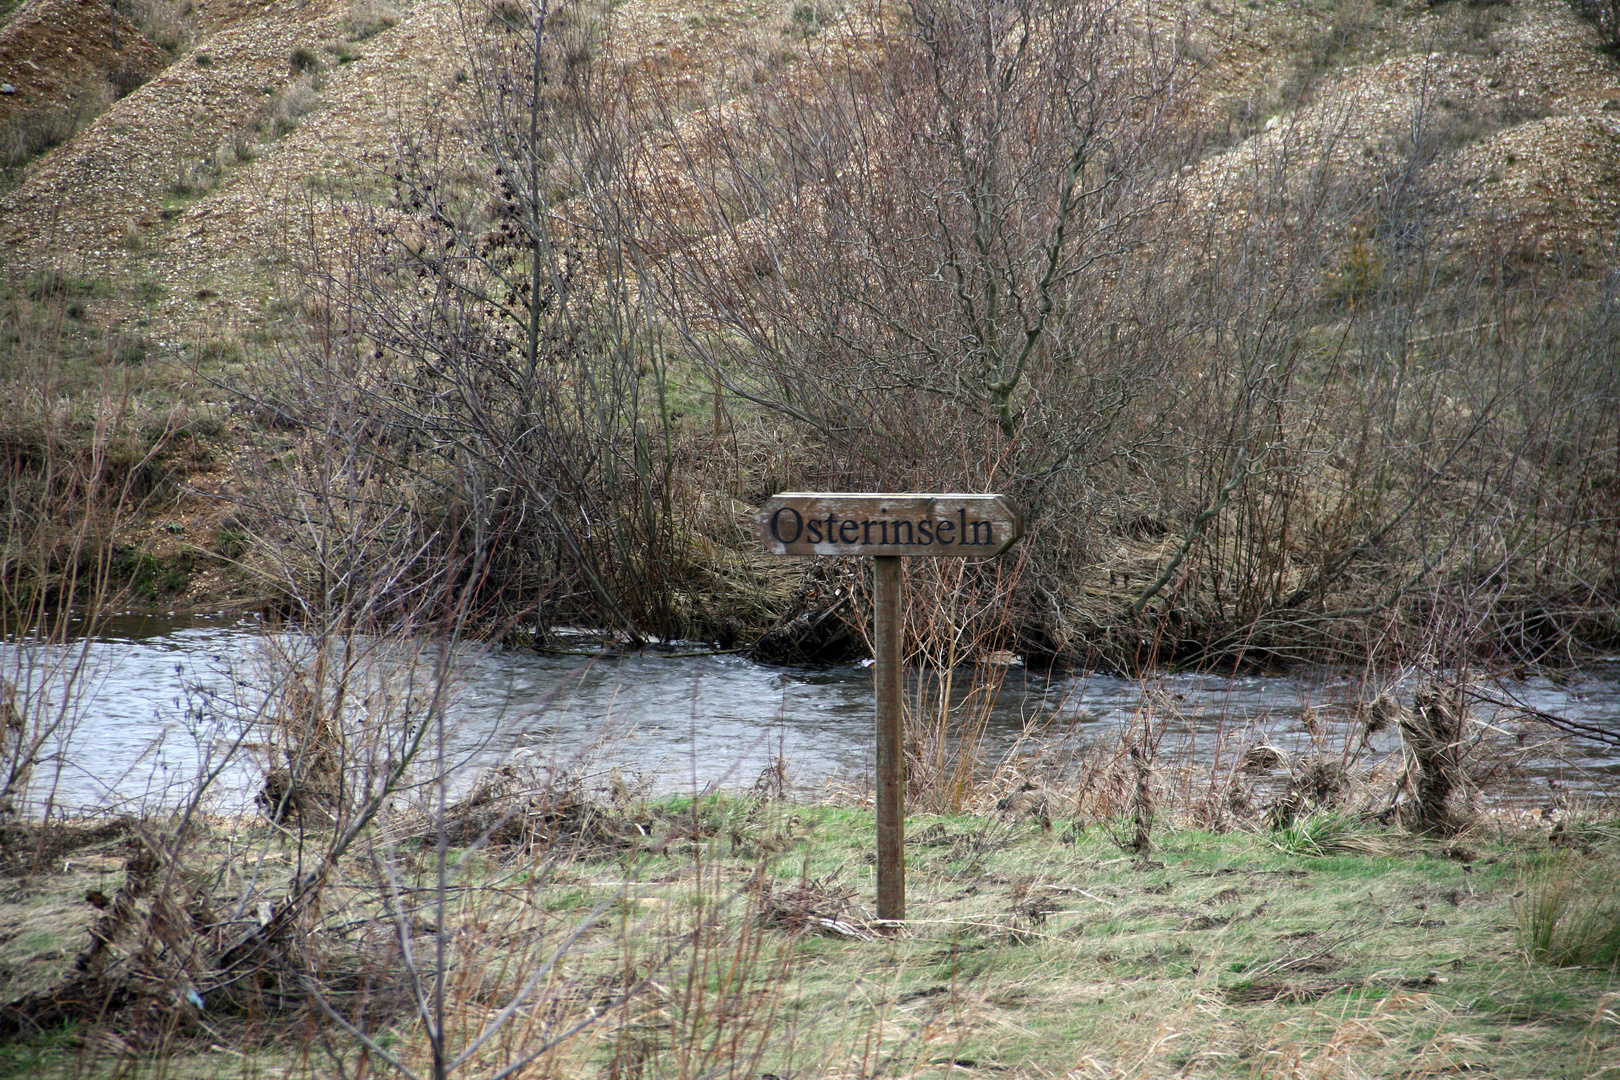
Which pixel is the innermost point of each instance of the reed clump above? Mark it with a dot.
(1567, 914)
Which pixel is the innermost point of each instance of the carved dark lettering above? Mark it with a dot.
(776, 525)
(851, 523)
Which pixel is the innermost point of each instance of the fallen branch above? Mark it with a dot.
(1572, 728)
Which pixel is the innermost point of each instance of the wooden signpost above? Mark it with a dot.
(889, 527)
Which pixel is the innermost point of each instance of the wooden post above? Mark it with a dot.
(888, 527)
(891, 751)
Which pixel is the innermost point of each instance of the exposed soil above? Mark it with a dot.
(69, 54)
(195, 193)
(1526, 95)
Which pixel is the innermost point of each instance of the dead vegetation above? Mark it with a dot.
(1295, 446)
(1604, 16)
(547, 916)
(1262, 385)
(624, 929)
(1273, 390)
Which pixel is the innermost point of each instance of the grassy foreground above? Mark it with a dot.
(733, 936)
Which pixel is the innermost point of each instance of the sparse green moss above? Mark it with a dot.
(149, 578)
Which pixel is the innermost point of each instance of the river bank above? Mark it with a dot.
(1269, 878)
(733, 936)
(1331, 380)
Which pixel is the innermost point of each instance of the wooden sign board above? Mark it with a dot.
(850, 523)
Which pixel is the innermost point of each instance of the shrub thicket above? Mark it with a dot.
(1270, 404)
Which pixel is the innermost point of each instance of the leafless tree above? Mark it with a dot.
(921, 250)
(479, 322)
(1604, 16)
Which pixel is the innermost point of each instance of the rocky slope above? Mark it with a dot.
(209, 130)
(190, 180)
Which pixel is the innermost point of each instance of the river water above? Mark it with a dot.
(150, 703)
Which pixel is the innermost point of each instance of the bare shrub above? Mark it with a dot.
(296, 100)
(193, 178)
(1296, 405)
(80, 459)
(303, 60)
(170, 24)
(1354, 538)
(19, 763)
(1024, 189)
(957, 616)
(917, 257)
(1604, 15)
(32, 132)
(368, 19)
(126, 80)
(352, 702)
(483, 350)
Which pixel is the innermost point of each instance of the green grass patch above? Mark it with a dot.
(38, 1053)
(747, 928)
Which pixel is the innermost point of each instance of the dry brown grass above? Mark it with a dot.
(531, 918)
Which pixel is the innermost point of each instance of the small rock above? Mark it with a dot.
(7, 88)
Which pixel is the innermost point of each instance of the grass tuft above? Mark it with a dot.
(367, 19)
(1569, 916)
(1330, 832)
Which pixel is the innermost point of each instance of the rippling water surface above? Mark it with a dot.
(150, 702)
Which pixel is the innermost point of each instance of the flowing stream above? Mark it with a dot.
(151, 703)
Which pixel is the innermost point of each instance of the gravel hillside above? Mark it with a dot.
(178, 153)
(188, 185)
